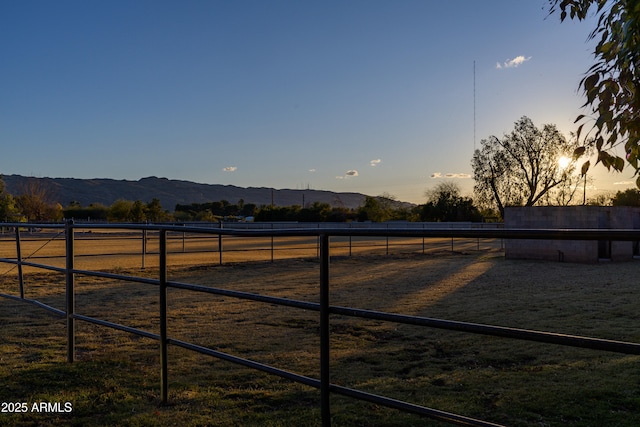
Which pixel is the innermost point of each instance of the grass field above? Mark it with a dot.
(115, 380)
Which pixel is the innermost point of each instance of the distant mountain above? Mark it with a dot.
(171, 192)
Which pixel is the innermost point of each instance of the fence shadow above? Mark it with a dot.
(379, 347)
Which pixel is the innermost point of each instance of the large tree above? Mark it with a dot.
(120, 211)
(445, 203)
(36, 203)
(8, 210)
(154, 211)
(524, 167)
(612, 84)
(628, 197)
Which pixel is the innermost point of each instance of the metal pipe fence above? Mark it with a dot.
(324, 309)
(140, 243)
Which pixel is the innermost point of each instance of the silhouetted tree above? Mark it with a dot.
(444, 203)
(137, 213)
(629, 197)
(523, 167)
(93, 212)
(373, 210)
(154, 212)
(317, 212)
(247, 209)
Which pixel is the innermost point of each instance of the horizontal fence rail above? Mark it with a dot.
(323, 308)
(185, 242)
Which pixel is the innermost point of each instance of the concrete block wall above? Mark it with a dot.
(571, 217)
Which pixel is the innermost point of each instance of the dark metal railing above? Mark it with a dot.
(324, 309)
(196, 241)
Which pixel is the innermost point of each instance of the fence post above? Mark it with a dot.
(19, 259)
(164, 388)
(325, 378)
(387, 252)
(70, 292)
(220, 241)
(272, 242)
(144, 246)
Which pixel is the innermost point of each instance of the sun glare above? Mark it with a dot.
(563, 162)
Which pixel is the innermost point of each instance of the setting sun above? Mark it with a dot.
(564, 161)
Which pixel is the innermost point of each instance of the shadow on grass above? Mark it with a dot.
(116, 380)
(82, 393)
(505, 381)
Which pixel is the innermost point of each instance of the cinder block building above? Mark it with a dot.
(576, 217)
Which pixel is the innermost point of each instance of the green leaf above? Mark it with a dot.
(590, 82)
(579, 131)
(633, 160)
(606, 47)
(585, 167)
(579, 151)
(605, 159)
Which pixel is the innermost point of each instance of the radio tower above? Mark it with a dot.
(474, 106)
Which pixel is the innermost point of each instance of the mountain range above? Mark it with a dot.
(171, 192)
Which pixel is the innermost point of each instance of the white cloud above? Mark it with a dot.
(624, 183)
(449, 175)
(513, 63)
(457, 175)
(348, 174)
(375, 162)
(312, 170)
(230, 169)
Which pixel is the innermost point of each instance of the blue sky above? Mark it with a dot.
(371, 96)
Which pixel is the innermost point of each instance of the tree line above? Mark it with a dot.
(444, 203)
(448, 206)
(33, 204)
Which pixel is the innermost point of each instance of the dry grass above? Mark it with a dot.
(124, 250)
(115, 380)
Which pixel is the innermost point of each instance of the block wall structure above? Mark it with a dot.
(572, 217)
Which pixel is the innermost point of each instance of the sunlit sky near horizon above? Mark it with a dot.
(369, 96)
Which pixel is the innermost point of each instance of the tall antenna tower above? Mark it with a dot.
(474, 106)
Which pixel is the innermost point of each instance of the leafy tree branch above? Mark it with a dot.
(612, 84)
